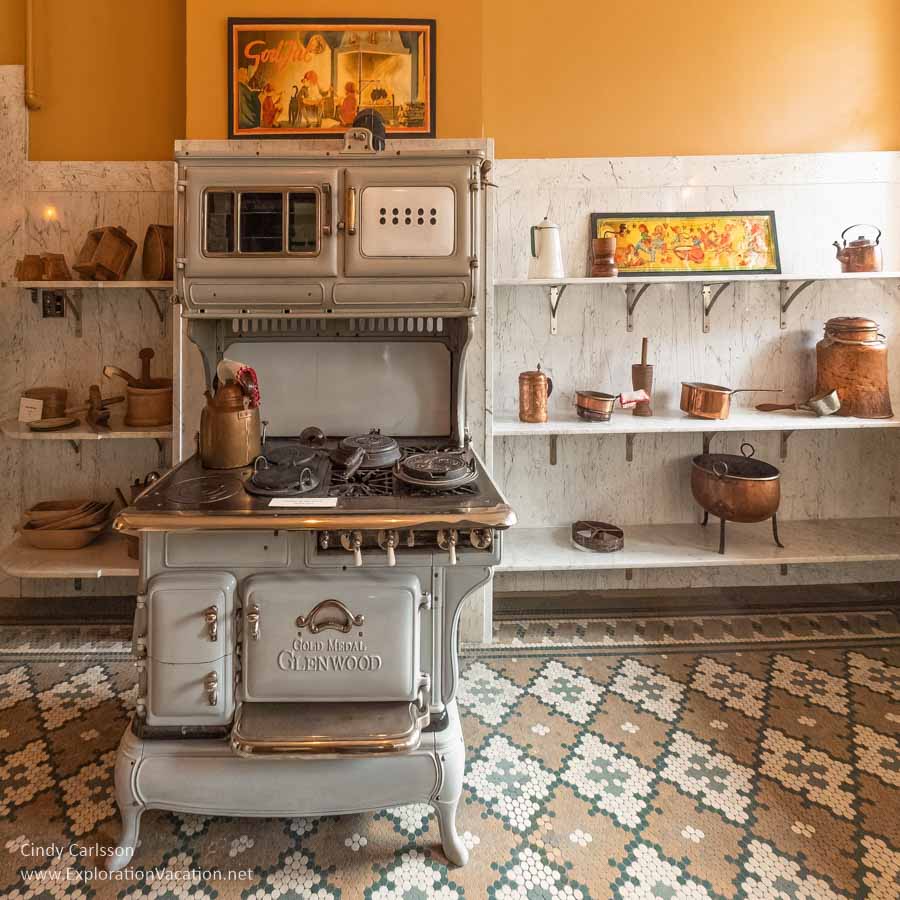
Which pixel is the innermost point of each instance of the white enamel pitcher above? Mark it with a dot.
(546, 251)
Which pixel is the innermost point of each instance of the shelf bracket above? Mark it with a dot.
(161, 447)
(783, 569)
(74, 303)
(76, 446)
(160, 307)
(709, 300)
(553, 449)
(629, 574)
(784, 444)
(707, 438)
(633, 294)
(629, 448)
(554, 295)
(787, 297)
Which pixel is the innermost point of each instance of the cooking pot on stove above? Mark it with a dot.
(229, 431)
(365, 451)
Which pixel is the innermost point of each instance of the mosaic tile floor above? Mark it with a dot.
(691, 771)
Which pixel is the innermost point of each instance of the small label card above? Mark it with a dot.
(30, 410)
(303, 502)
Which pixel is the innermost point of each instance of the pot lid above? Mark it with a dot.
(851, 323)
(546, 223)
(379, 449)
(533, 373)
(862, 241)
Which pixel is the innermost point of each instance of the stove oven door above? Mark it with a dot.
(344, 637)
(259, 222)
(409, 221)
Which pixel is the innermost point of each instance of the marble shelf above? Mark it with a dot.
(676, 422)
(697, 279)
(90, 285)
(823, 541)
(106, 557)
(20, 431)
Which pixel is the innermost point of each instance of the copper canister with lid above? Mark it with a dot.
(852, 359)
(535, 388)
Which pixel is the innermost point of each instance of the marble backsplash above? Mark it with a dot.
(825, 475)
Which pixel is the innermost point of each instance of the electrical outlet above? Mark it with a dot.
(54, 306)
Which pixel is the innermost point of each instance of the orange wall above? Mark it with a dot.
(109, 75)
(458, 55)
(123, 79)
(582, 78)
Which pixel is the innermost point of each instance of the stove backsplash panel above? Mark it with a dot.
(349, 387)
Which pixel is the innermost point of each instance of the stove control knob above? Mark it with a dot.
(352, 541)
(324, 540)
(481, 538)
(388, 541)
(447, 539)
(410, 539)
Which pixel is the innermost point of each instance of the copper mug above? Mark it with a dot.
(535, 388)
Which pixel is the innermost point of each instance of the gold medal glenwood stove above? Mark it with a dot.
(297, 619)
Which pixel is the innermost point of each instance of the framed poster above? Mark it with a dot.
(692, 243)
(311, 77)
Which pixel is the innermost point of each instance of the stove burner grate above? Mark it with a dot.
(204, 490)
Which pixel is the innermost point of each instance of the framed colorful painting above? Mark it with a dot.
(693, 243)
(311, 77)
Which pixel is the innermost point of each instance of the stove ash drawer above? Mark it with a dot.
(190, 617)
(326, 637)
(190, 693)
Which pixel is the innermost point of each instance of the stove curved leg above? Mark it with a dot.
(705, 518)
(722, 537)
(130, 807)
(124, 852)
(454, 849)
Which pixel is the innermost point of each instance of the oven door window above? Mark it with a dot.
(261, 222)
(219, 225)
(303, 222)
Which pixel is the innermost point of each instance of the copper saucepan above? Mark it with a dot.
(711, 401)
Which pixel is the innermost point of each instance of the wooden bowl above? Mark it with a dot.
(93, 515)
(62, 539)
(48, 510)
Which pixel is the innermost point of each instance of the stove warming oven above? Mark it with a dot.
(297, 620)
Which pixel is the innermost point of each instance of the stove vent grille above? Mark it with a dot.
(393, 325)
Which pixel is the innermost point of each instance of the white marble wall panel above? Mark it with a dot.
(13, 148)
(826, 474)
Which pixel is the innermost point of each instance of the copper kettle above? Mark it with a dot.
(861, 255)
(229, 429)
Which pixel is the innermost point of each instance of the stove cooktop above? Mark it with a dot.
(326, 493)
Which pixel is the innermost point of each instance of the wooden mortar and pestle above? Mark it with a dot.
(642, 379)
(148, 401)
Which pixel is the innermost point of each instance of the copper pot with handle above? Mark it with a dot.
(712, 401)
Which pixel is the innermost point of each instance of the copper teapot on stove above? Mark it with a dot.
(229, 429)
(861, 255)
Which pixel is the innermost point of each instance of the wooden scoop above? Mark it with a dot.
(116, 372)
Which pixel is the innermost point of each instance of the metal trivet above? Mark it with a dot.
(204, 490)
(599, 537)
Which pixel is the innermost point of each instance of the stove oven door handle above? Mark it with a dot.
(315, 623)
(350, 210)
